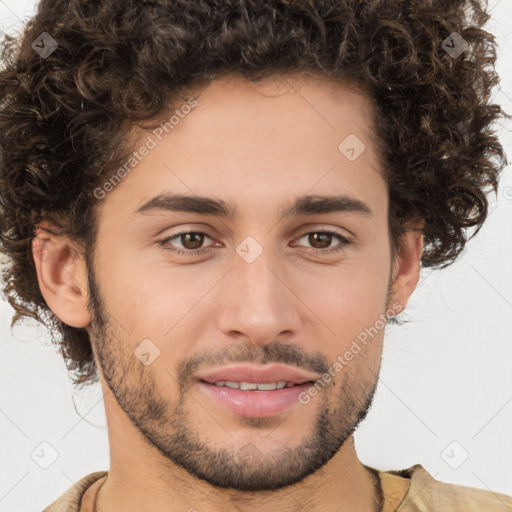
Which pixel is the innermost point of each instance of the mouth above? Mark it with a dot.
(254, 399)
(256, 386)
(255, 391)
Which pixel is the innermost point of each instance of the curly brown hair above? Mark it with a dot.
(65, 118)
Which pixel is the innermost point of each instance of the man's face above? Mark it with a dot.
(267, 291)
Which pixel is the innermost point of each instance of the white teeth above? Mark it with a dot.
(267, 387)
(248, 385)
(251, 386)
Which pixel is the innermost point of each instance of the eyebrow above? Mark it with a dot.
(305, 205)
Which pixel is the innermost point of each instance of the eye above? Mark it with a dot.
(192, 241)
(323, 239)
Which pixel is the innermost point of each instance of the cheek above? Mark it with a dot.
(351, 308)
(159, 304)
(351, 301)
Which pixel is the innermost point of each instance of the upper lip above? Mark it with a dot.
(258, 374)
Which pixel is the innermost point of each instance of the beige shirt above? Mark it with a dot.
(408, 490)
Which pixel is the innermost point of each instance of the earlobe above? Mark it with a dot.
(62, 276)
(406, 272)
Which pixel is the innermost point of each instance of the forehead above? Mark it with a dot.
(285, 135)
(320, 104)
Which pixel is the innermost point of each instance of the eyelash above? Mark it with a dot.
(196, 252)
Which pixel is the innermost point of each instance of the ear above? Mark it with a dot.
(407, 264)
(62, 275)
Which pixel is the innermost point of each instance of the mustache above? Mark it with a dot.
(273, 352)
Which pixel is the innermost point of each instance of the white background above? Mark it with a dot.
(446, 381)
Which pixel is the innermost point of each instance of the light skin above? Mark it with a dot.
(257, 148)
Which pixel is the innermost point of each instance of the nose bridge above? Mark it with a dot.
(257, 269)
(258, 301)
(259, 280)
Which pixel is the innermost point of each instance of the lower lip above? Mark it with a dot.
(255, 404)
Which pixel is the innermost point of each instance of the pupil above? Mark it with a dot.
(197, 243)
(317, 235)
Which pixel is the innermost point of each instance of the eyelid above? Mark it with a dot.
(316, 228)
(326, 229)
(344, 241)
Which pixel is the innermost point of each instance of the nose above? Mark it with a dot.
(260, 299)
